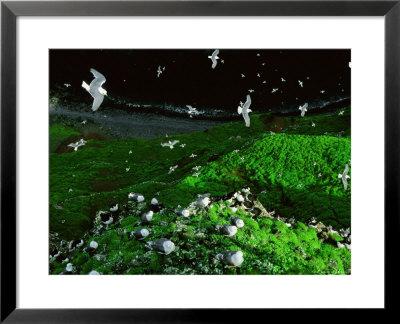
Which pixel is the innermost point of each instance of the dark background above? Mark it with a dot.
(189, 79)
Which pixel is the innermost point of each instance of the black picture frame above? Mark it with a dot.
(10, 10)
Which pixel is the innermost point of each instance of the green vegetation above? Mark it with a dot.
(293, 170)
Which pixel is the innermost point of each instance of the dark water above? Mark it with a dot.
(188, 79)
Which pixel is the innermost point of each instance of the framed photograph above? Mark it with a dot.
(170, 161)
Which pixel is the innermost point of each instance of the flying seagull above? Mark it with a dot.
(344, 176)
(283, 80)
(214, 57)
(300, 83)
(67, 85)
(78, 144)
(251, 90)
(303, 109)
(170, 144)
(159, 70)
(244, 110)
(192, 111)
(95, 89)
(274, 90)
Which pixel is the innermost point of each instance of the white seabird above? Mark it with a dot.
(214, 57)
(300, 83)
(162, 246)
(227, 230)
(95, 89)
(274, 90)
(231, 258)
(140, 234)
(344, 176)
(170, 144)
(303, 109)
(238, 222)
(244, 110)
(78, 144)
(192, 111)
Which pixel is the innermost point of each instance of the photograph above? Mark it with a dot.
(199, 161)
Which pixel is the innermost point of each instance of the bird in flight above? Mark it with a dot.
(170, 144)
(95, 89)
(244, 110)
(344, 176)
(300, 83)
(303, 109)
(214, 57)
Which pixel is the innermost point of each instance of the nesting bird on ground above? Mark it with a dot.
(162, 246)
(303, 109)
(93, 245)
(202, 201)
(154, 201)
(146, 217)
(344, 176)
(106, 218)
(95, 89)
(75, 244)
(170, 144)
(230, 258)
(114, 208)
(238, 222)
(244, 110)
(136, 197)
(78, 144)
(140, 234)
(93, 272)
(227, 230)
(214, 57)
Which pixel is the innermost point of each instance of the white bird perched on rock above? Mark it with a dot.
(227, 230)
(238, 222)
(95, 89)
(300, 83)
(244, 110)
(214, 57)
(136, 197)
(140, 234)
(303, 109)
(344, 176)
(274, 90)
(162, 246)
(230, 258)
(78, 144)
(170, 144)
(93, 245)
(146, 217)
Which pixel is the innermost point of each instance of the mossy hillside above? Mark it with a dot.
(97, 174)
(269, 246)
